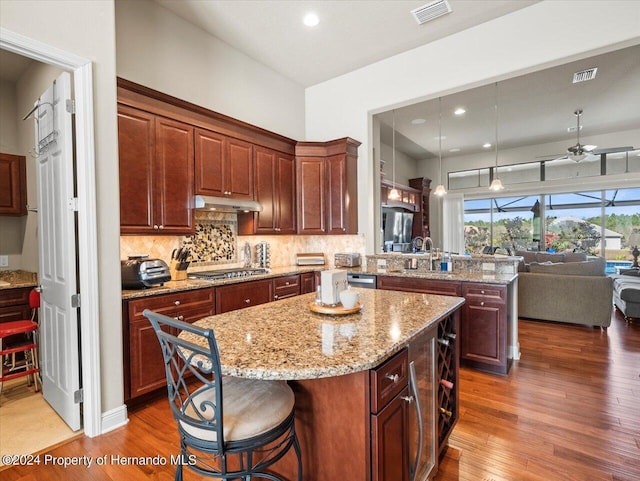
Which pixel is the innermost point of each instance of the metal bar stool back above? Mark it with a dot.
(230, 428)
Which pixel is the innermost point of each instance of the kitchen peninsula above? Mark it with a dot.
(356, 414)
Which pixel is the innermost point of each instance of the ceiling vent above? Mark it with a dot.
(585, 75)
(431, 11)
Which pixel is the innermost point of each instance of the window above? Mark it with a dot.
(599, 223)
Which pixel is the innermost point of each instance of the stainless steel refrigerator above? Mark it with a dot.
(397, 225)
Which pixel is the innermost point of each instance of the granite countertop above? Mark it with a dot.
(285, 340)
(467, 276)
(191, 284)
(17, 279)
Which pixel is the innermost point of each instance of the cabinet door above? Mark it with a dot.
(136, 152)
(239, 176)
(209, 157)
(286, 286)
(265, 190)
(389, 436)
(147, 371)
(173, 180)
(483, 335)
(245, 294)
(337, 198)
(285, 181)
(311, 185)
(13, 185)
(307, 282)
(427, 286)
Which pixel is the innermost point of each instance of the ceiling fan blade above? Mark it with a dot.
(611, 150)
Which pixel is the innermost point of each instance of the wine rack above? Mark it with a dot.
(447, 369)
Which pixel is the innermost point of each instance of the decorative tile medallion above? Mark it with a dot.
(214, 242)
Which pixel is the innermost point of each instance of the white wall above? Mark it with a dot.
(536, 37)
(157, 49)
(87, 29)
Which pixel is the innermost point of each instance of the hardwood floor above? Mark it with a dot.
(568, 410)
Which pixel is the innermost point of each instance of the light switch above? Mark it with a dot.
(4, 261)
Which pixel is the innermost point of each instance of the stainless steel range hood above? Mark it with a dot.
(223, 204)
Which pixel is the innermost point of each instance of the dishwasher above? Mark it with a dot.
(366, 281)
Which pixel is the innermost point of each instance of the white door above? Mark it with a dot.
(57, 250)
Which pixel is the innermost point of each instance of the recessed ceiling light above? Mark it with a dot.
(459, 111)
(487, 145)
(418, 121)
(454, 150)
(311, 20)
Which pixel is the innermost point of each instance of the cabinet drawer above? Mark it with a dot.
(14, 297)
(488, 292)
(389, 379)
(245, 294)
(287, 286)
(168, 304)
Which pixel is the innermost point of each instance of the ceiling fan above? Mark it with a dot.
(579, 152)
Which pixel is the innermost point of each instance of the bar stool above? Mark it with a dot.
(26, 343)
(230, 428)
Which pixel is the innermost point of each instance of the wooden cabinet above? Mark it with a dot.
(307, 282)
(484, 327)
(156, 174)
(421, 226)
(426, 286)
(244, 294)
(13, 185)
(224, 166)
(14, 304)
(143, 363)
(327, 187)
(286, 286)
(390, 419)
(275, 190)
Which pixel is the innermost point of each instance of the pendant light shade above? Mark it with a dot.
(393, 193)
(440, 190)
(496, 183)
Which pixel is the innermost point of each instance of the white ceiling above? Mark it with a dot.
(350, 35)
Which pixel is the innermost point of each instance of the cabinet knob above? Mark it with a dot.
(155, 227)
(344, 229)
(409, 399)
(481, 292)
(286, 283)
(176, 303)
(160, 227)
(180, 318)
(482, 303)
(275, 298)
(392, 377)
(247, 301)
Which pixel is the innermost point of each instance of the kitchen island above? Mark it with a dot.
(356, 414)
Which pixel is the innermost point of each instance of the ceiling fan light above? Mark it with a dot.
(393, 194)
(577, 157)
(440, 190)
(496, 185)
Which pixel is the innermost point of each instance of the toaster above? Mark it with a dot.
(140, 273)
(347, 260)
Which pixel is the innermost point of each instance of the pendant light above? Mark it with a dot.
(440, 190)
(393, 193)
(496, 183)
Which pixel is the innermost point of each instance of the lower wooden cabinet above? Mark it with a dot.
(307, 282)
(143, 363)
(483, 327)
(287, 286)
(244, 294)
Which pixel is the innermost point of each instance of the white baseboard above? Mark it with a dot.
(114, 418)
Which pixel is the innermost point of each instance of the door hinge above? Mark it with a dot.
(73, 204)
(71, 106)
(78, 396)
(75, 300)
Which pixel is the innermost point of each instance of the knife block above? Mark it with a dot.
(177, 275)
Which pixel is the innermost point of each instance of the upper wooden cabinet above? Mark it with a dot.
(156, 174)
(275, 190)
(327, 187)
(13, 185)
(224, 166)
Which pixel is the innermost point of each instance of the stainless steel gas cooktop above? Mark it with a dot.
(226, 273)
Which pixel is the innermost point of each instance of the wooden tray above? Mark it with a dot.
(336, 310)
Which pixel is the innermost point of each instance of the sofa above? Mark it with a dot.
(565, 287)
(626, 293)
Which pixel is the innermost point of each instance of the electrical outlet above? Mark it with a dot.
(4, 261)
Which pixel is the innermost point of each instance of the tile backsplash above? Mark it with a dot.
(216, 243)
